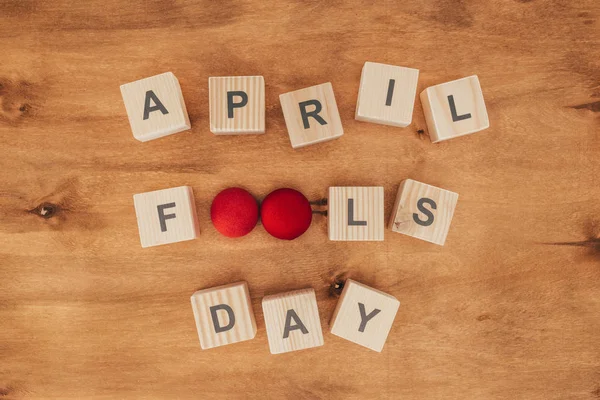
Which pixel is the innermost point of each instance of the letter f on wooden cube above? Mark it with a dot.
(223, 315)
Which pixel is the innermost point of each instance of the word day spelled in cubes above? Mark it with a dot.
(454, 109)
(166, 216)
(237, 104)
(423, 211)
(364, 315)
(311, 115)
(386, 94)
(292, 321)
(223, 315)
(356, 213)
(155, 107)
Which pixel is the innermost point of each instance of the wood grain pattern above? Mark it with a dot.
(247, 119)
(370, 326)
(292, 321)
(356, 213)
(508, 308)
(236, 296)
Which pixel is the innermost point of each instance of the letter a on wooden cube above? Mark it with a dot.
(423, 211)
(155, 107)
(454, 109)
(311, 115)
(237, 104)
(387, 94)
(356, 213)
(166, 216)
(364, 315)
(224, 315)
(292, 321)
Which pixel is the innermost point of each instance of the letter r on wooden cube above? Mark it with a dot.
(237, 104)
(364, 315)
(356, 213)
(387, 94)
(292, 321)
(423, 211)
(155, 107)
(311, 115)
(224, 315)
(166, 216)
(454, 109)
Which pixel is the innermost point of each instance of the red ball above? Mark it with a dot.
(234, 212)
(286, 213)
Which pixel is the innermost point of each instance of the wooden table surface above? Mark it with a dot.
(509, 308)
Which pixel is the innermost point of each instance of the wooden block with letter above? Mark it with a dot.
(224, 315)
(386, 94)
(311, 115)
(454, 109)
(292, 321)
(423, 211)
(237, 104)
(364, 315)
(356, 213)
(166, 216)
(155, 107)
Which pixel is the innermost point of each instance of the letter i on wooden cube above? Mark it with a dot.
(223, 315)
(423, 211)
(356, 213)
(166, 216)
(311, 115)
(237, 104)
(364, 315)
(387, 94)
(155, 107)
(292, 321)
(454, 109)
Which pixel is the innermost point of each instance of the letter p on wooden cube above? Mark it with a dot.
(387, 94)
(166, 216)
(356, 213)
(237, 104)
(364, 315)
(223, 315)
(155, 107)
(454, 109)
(423, 211)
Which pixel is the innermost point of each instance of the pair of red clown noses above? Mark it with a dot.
(285, 213)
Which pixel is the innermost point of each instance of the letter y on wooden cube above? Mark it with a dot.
(454, 109)
(166, 216)
(224, 315)
(364, 315)
(356, 213)
(237, 104)
(155, 107)
(387, 94)
(292, 321)
(423, 211)
(311, 115)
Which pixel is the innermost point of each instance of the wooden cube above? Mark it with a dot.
(155, 107)
(166, 216)
(237, 104)
(224, 315)
(292, 321)
(364, 315)
(387, 94)
(423, 211)
(454, 109)
(311, 115)
(356, 213)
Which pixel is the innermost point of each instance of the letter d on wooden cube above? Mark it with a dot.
(223, 315)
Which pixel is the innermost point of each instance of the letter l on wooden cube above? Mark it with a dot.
(356, 213)
(224, 315)
(364, 315)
